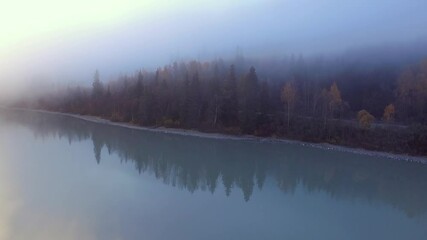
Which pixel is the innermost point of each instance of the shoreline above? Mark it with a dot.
(219, 136)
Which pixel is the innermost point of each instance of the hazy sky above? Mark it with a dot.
(67, 40)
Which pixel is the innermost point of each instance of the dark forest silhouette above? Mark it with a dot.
(378, 106)
(191, 164)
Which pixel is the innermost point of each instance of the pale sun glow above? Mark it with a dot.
(26, 20)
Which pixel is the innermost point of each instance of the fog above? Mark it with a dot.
(145, 37)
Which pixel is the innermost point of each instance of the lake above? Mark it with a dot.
(66, 178)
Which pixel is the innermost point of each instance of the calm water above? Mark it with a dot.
(64, 178)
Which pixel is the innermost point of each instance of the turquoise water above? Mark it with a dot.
(65, 178)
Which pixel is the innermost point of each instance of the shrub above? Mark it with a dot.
(365, 119)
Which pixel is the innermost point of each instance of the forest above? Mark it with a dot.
(376, 105)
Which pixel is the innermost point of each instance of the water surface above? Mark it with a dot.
(65, 178)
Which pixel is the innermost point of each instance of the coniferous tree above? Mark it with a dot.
(249, 101)
(229, 106)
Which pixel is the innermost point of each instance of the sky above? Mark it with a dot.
(65, 41)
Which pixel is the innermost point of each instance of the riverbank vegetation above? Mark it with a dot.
(373, 106)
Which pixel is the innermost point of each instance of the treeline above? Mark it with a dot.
(377, 106)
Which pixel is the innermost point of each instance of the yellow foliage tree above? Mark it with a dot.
(288, 96)
(365, 118)
(331, 102)
(412, 91)
(335, 94)
(335, 98)
(389, 112)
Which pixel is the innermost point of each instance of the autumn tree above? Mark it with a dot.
(405, 93)
(288, 97)
(412, 92)
(335, 101)
(364, 118)
(389, 112)
(331, 102)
